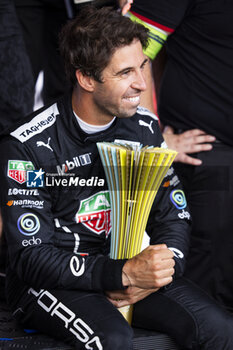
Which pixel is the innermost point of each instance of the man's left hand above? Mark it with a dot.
(129, 296)
(125, 5)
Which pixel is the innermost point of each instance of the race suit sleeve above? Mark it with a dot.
(165, 14)
(161, 18)
(170, 221)
(30, 233)
(170, 224)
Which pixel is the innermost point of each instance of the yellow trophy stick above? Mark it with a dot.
(134, 176)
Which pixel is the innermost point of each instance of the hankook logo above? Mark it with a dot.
(26, 203)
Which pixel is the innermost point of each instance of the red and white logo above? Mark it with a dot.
(17, 170)
(95, 213)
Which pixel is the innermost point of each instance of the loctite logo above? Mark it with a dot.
(76, 162)
(94, 213)
(23, 192)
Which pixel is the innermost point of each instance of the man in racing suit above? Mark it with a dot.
(56, 208)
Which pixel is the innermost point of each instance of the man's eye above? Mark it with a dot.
(143, 66)
(126, 72)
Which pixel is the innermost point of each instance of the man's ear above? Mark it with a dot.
(86, 82)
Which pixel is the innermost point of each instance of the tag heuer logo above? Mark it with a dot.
(94, 213)
(17, 170)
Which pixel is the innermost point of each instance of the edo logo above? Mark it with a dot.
(178, 199)
(94, 213)
(35, 178)
(17, 170)
(28, 224)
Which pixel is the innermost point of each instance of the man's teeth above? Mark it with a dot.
(133, 99)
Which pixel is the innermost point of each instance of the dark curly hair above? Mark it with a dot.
(88, 42)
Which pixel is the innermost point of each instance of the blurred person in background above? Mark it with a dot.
(41, 21)
(16, 84)
(196, 107)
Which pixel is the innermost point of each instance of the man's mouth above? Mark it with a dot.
(135, 99)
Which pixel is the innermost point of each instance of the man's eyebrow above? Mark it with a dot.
(129, 68)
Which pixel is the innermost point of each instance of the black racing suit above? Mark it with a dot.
(58, 234)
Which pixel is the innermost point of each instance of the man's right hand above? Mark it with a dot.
(152, 268)
(191, 141)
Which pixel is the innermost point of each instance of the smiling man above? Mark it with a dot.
(117, 91)
(60, 278)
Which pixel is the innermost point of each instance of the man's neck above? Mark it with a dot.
(82, 105)
(92, 129)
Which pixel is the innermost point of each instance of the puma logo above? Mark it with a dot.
(41, 143)
(149, 126)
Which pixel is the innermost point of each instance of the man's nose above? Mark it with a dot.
(139, 82)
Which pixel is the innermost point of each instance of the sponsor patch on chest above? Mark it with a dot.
(95, 213)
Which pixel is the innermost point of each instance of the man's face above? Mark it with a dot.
(123, 82)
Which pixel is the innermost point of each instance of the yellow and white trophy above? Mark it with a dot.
(134, 175)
